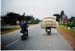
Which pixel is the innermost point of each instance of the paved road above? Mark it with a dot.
(38, 40)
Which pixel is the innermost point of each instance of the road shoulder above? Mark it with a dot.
(67, 36)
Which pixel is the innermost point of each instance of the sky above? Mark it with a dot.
(38, 8)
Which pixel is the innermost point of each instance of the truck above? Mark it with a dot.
(48, 23)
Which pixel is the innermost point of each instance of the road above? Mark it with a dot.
(38, 40)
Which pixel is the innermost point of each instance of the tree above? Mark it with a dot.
(21, 18)
(57, 17)
(72, 18)
(37, 21)
(65, 19)
(29, 19)
(10, 18)
(61, 15)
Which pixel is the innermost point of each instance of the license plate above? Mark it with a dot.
(48, 30)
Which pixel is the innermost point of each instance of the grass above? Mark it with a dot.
(7, 30)
(71, 31)
(69, 35)
(31, 25)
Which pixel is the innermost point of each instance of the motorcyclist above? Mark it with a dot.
(24, 26)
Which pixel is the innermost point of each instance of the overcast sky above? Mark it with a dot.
(38, 8)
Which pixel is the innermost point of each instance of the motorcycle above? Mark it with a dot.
(24, 34)
(48, 30)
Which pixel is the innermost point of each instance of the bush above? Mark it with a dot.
(65, 24)
(71, 24)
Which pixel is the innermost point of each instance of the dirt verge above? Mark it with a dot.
(67, 36)
(8, 31)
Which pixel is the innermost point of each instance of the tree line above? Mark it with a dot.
(63, 19)
(11, 18)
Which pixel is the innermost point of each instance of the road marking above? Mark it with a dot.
(18, 39)
(11, 43)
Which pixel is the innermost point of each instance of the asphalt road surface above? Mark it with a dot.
(38, 40)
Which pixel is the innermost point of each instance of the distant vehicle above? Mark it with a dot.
(48, 23)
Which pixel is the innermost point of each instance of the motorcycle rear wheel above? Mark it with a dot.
(48, 32)
(24, 36)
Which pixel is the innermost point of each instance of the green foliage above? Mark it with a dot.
(57, 17)
(69, 24)
(29, 19)
(11, 18)
(65, 24)
(71, 31)
(36, 21)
